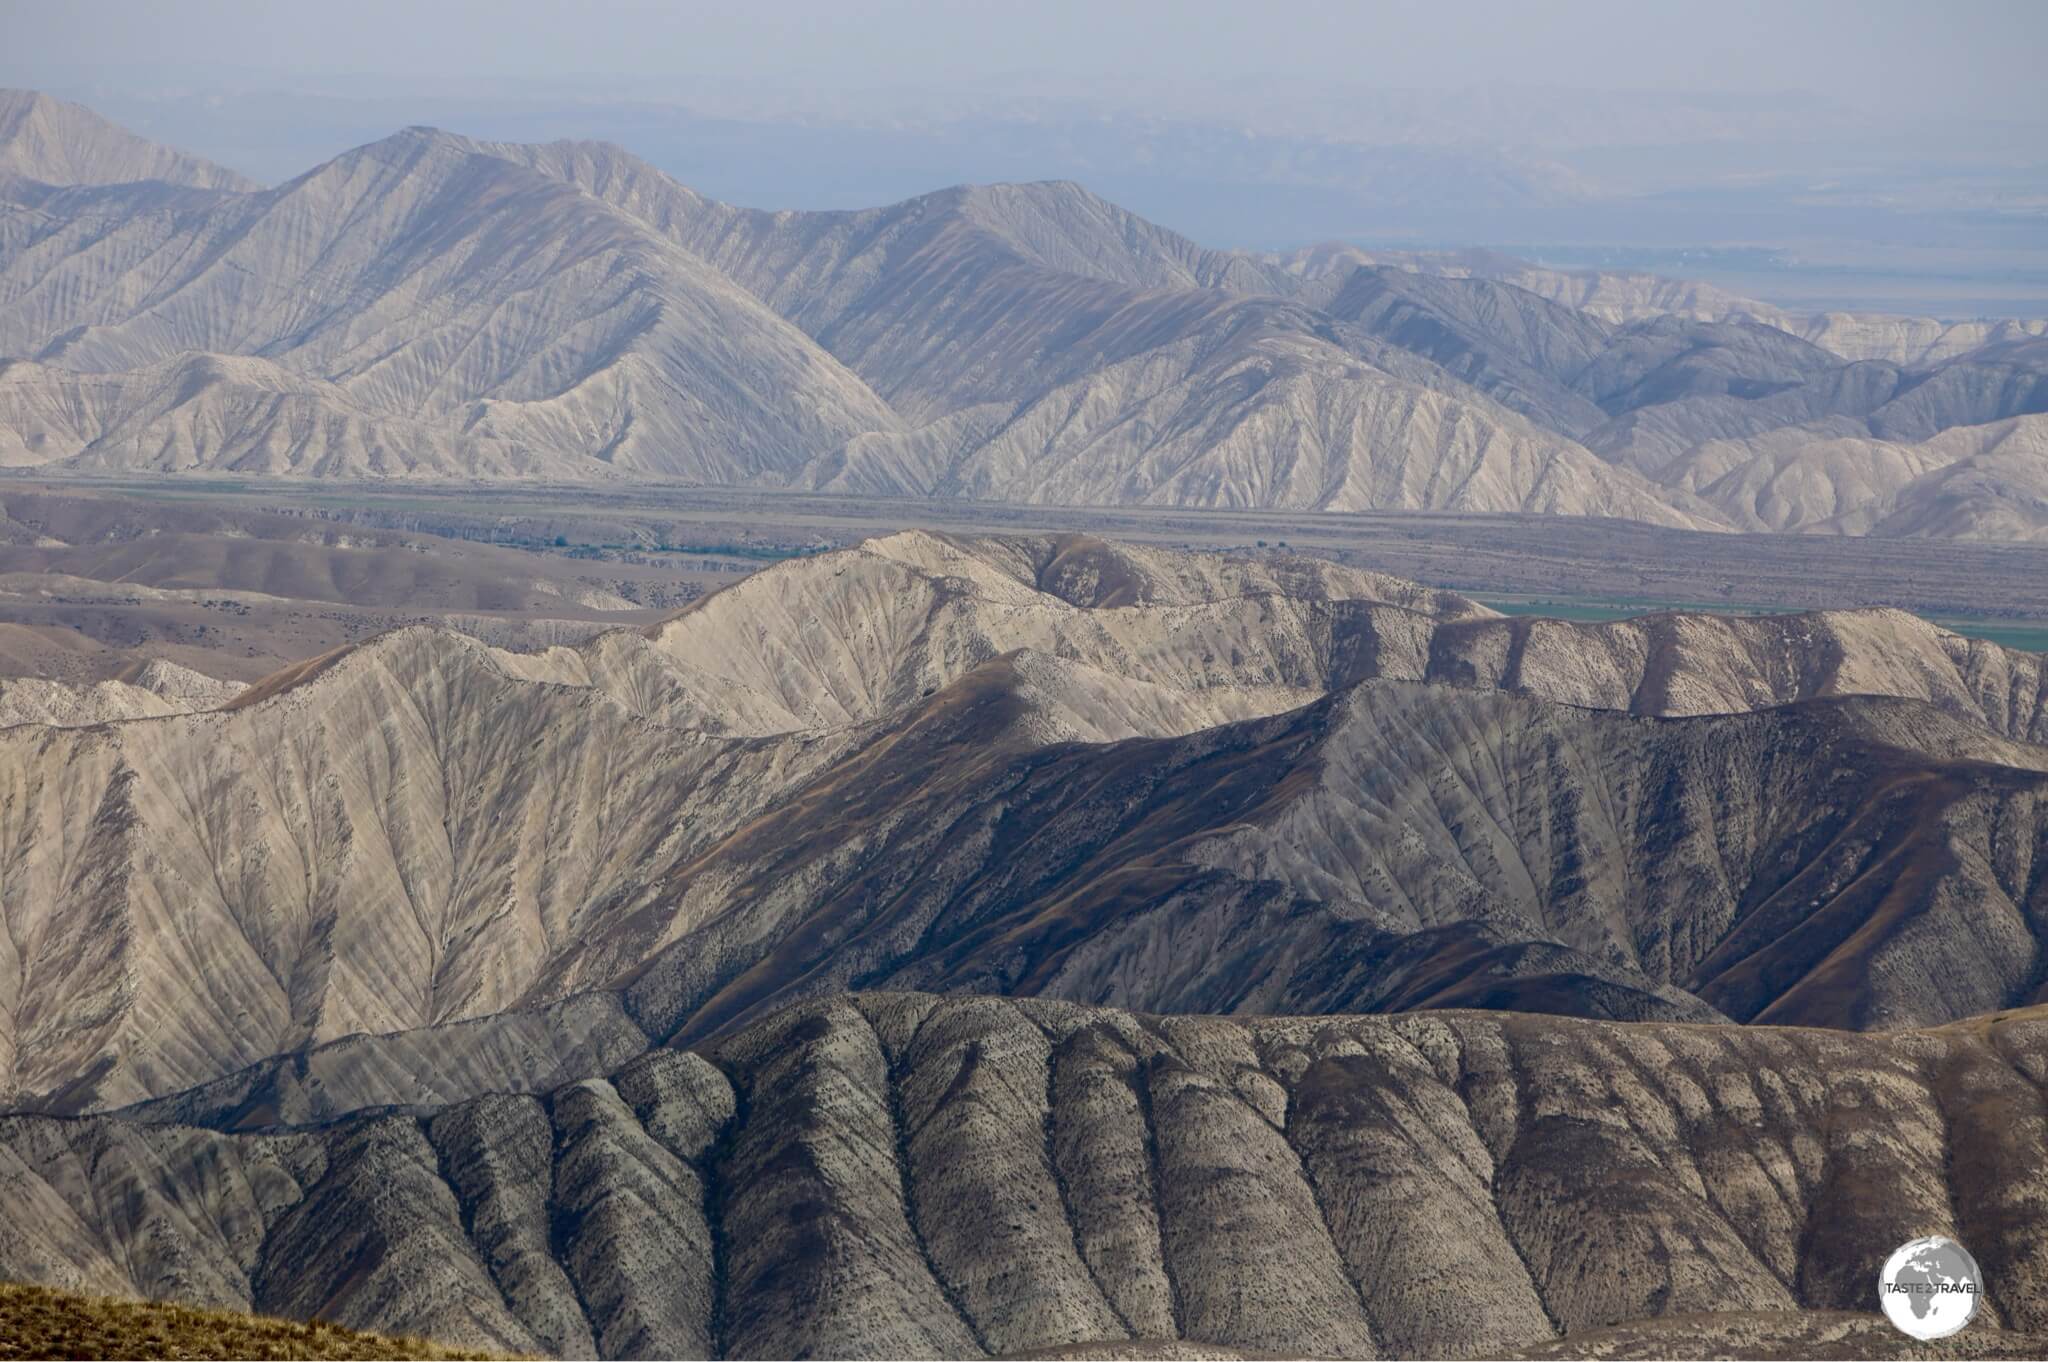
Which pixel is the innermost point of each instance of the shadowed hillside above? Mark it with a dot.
(899, 1175)
(1018, 766)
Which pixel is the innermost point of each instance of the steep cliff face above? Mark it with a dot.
(904, 1175)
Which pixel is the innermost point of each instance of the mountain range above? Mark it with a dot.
(949, 946)
(1358, 793)
(953, 944)
(430, 305)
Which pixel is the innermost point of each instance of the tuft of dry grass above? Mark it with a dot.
(36, 1321)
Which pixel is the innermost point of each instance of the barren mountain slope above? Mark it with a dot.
(1029, 382)
(233, 414)
(426, 830)
(1518, 348)
(1394, 921)
(1906, 340)
(1978, 481)
(1723, 398)
(1673, 385)
(1329, 858)
(860, 634)
(903, 1175)
(430, 283)
(1863, 864)
(1772, 431)
(1678, 664)
(525, 1049)
(808, 263)
(1316, 273)
(1998, 489)
(1615, 297)
(1746, 417)
(416, 830)
(57, 142)
(1258, 417)
(393, 837)
(434, 306)
(1054, 348)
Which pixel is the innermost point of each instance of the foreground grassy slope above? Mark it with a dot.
(38, 1322)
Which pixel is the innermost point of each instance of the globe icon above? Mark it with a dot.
(1929, 1288)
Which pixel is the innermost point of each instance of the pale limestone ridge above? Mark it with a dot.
(157, 689)
(1048, 347)
(414, 283)
(57, 142)
(432, 306)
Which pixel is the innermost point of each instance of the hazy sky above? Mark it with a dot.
(1981, 58)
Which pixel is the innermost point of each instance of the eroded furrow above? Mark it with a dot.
(905, 1175)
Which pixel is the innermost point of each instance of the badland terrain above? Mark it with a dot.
(433, 306)
(504, 838)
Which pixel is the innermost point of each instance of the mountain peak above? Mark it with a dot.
(57, 142)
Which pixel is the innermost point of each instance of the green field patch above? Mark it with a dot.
(2028, 638)
(1601, 611)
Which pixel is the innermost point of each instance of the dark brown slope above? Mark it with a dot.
(900, 1175)
(1392, 846)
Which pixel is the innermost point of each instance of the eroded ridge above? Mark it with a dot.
(909, 1175)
